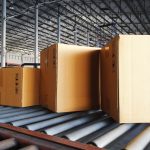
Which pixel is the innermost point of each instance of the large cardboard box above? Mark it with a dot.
(125, 78)
(19, 86)
(69, 78)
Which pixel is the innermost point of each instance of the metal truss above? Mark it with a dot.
(82, 22)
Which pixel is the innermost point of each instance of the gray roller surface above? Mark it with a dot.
(107, 138)
(19, 112)
(13, 109)
(8, 144)
(39, 125)
(120, 142)
(84, 131)
(147, 147)
(30, 147)
(98, 133)
(36, 119)
(7, 108)
(90, 127)
(141, 141)
(31, 110)
(71, 124)
(22, 116)
(10, 110)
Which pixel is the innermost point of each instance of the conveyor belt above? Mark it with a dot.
(89, 127)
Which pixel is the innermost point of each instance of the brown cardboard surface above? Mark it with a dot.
(1, 83)
(20, 86)
(30, 90)
(12, 86)
(133, 77)
(72, 77)
(48, 77)
(43, 79)
(109, 83)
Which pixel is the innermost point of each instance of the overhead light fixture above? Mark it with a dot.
(19, 16)
(106, 25)
(74, 28)
(90, 39)
(11, 5)
(104, 8)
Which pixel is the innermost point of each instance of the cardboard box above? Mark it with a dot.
(69, 78)
(125, 78)
(19, 86)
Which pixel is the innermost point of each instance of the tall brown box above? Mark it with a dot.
(19, 86)
(125, 78)
(69, 78)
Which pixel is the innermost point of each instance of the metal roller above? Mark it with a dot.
(147, 147)
(31, 147)
(107, 138)
(84, 131)
(10, 111)
(8, 144)
(39, 125)
(36, 119)
(1, 107)
(22, 116)
(6, 108)
(71, 124)
(98, 133)
(13, 110)
(140, 141)
(123, 140)
(20, 112)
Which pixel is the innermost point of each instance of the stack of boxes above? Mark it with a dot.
(73, 78)
(19, 86)
(125, 78)
(69, 78)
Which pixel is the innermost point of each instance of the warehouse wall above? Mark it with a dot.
(17, 58)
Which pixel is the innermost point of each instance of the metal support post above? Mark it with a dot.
(97, 42)
(75, 35)
(36, 52)
(21, 58)
(3, 50)
(59, 29)
(88, 39)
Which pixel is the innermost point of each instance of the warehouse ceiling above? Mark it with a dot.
(100, 19)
